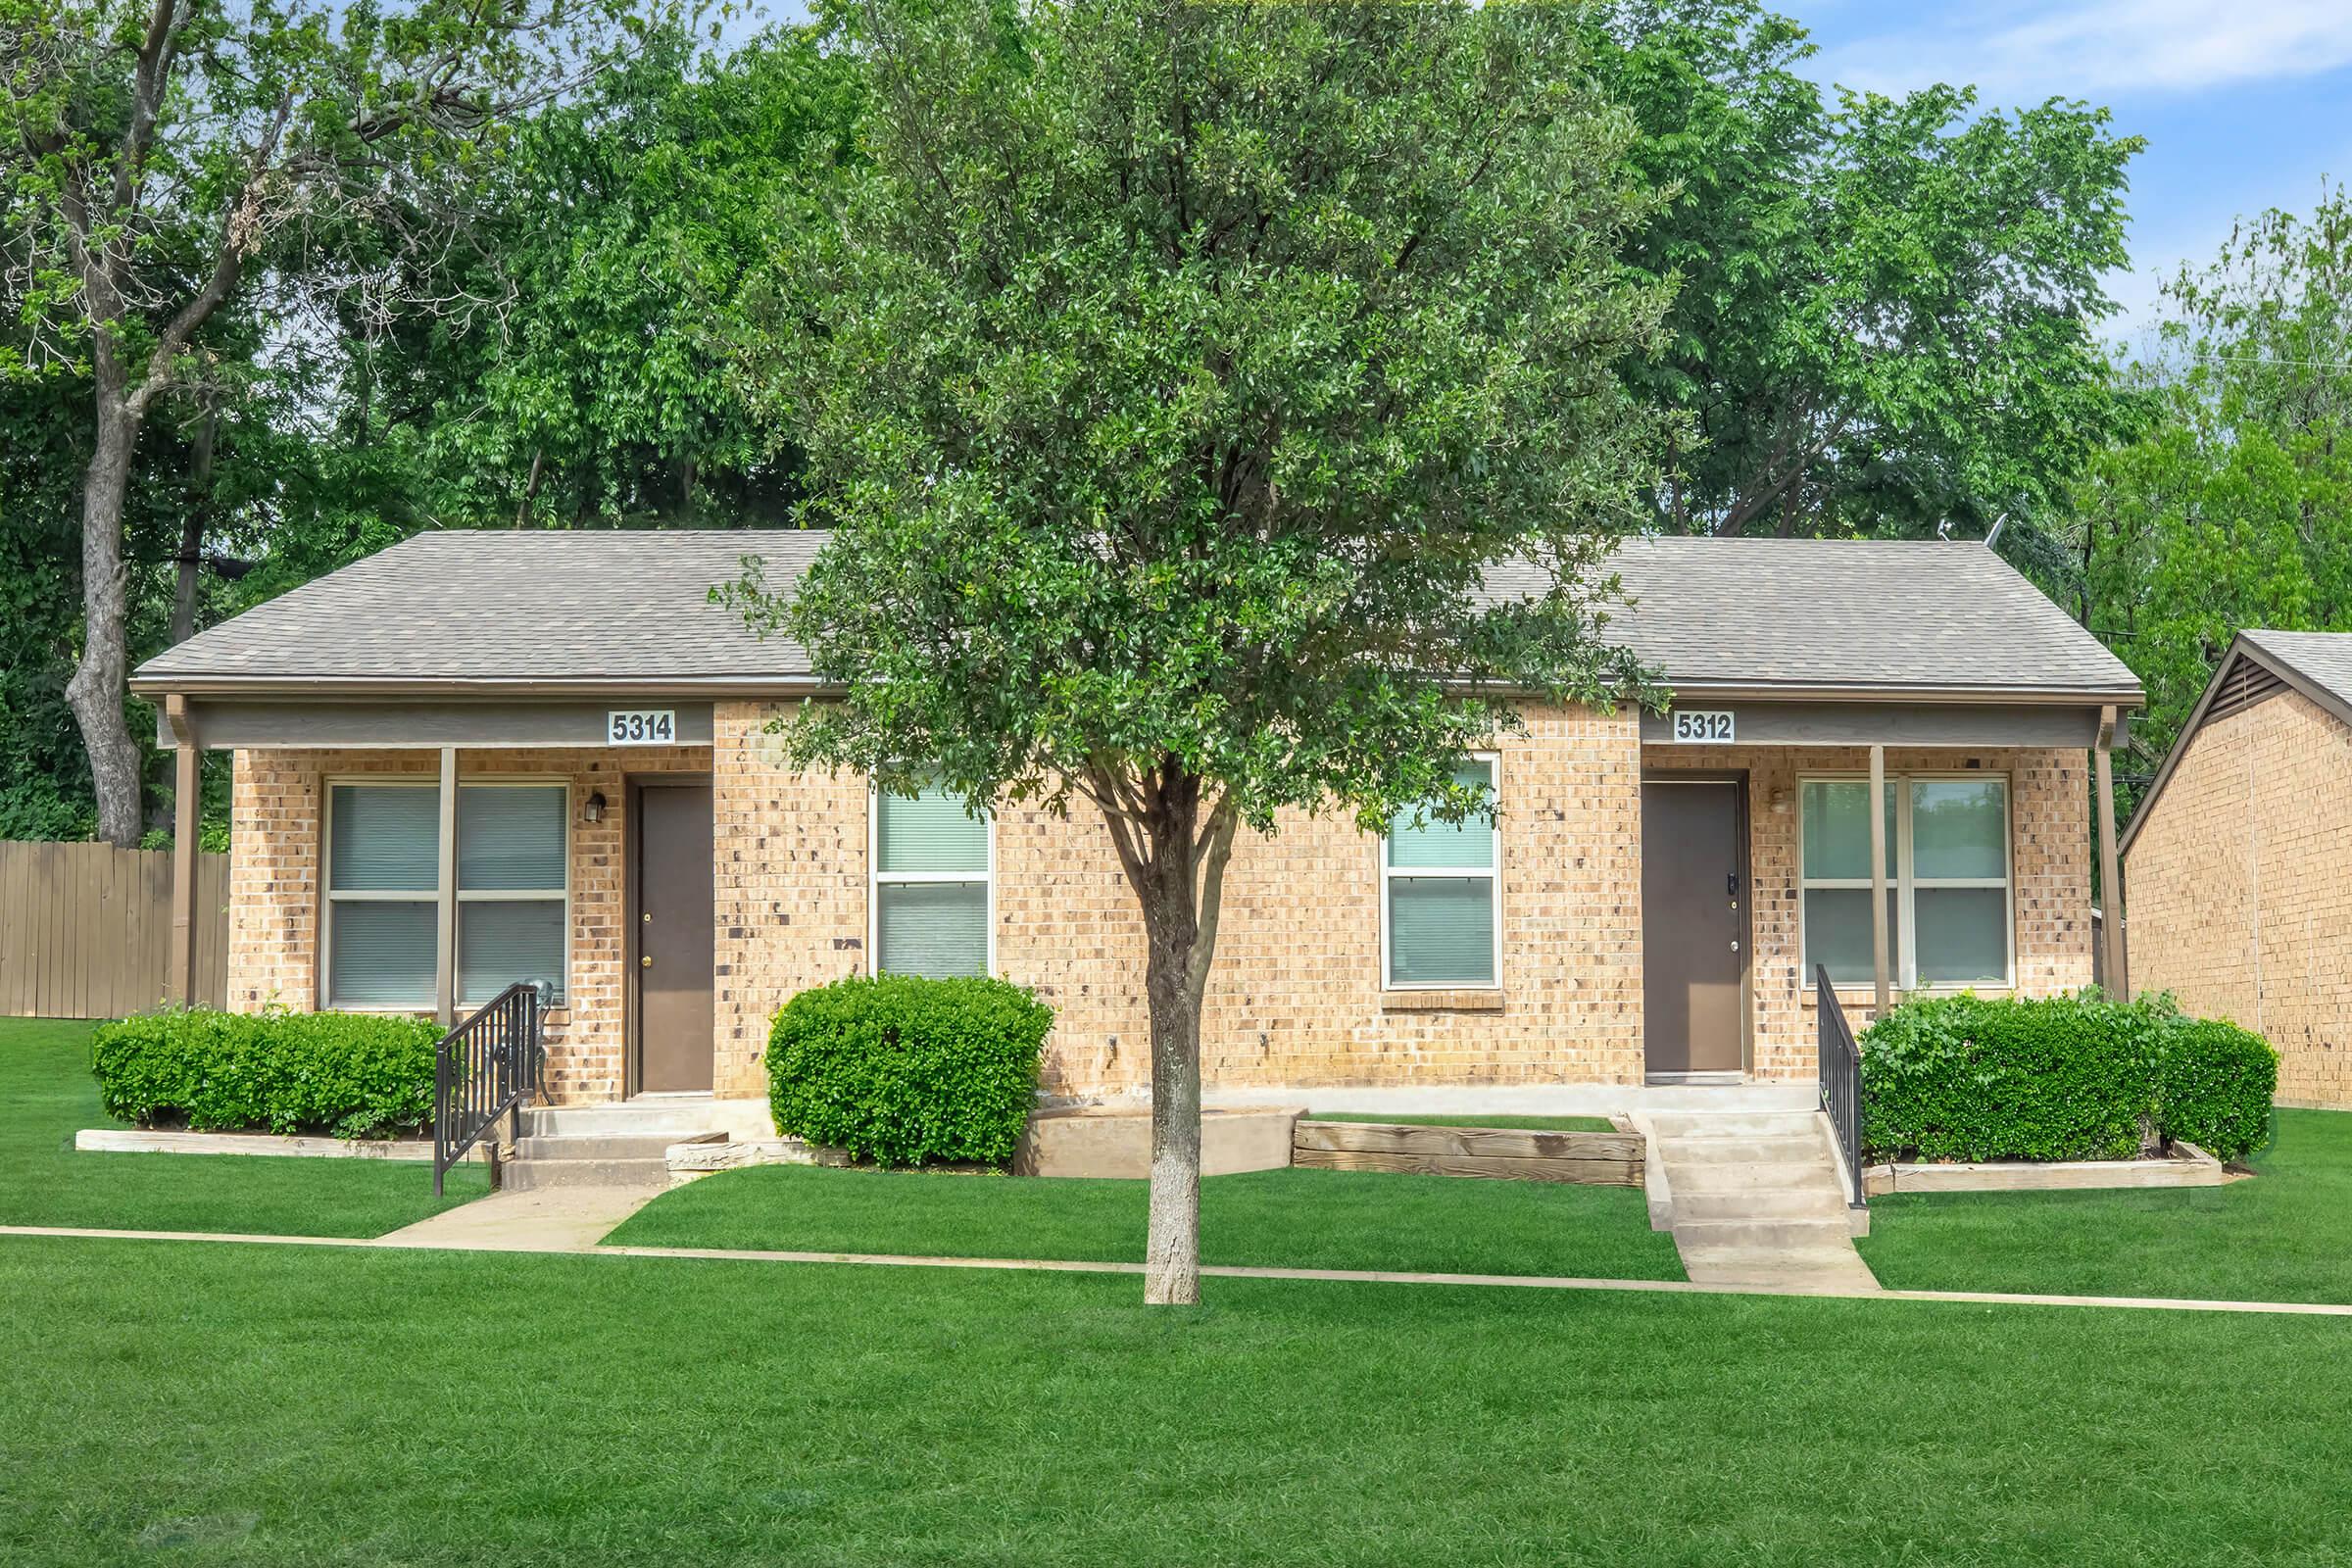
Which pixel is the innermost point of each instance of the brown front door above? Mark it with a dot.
(1693, 925)
(674, 1016)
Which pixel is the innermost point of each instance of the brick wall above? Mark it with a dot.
(2238, 891)
(277, 808)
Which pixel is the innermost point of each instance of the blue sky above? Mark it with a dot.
(2245, 104)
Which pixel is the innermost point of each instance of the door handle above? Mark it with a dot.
(1735, 947)
(1731, 885)
(646, 963)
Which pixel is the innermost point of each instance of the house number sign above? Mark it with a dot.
(642, 727)
(1694, 727)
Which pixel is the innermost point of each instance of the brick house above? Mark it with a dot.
(484, 757)
(2237, 858)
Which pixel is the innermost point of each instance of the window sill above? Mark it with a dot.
(1467, 1000)
(1865, 996)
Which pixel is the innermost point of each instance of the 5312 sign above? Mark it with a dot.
(1694, 727)
(644, 726)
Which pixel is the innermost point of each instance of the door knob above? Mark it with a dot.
(1735, 948)
(646, 963)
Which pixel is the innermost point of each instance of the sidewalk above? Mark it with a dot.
(548, 1241)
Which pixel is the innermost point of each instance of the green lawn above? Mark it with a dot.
(1552, 1124)
(1285, 1219)
(47, 1096)
(2285, 1235)
(188, 1405)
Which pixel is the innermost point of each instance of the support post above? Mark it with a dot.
(2111, 875)
(1877, 880)
(445, 938)
(188, 812)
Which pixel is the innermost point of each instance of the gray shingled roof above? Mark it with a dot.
(590, 609)
(2322, 657)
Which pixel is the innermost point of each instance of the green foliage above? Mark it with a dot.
(2233, 507)
(2081, 1077)
(354, 1075)
(1888, 309)
(907, 1072)
(1975, 1078)
(2216, 1086)
(1172, 374)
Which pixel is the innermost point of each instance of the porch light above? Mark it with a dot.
(594, 809)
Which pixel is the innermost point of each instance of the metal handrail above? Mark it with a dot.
(484, 1069)
(1841, 1080)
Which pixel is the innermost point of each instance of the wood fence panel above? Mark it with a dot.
(85, 930)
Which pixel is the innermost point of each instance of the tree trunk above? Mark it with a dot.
(1172, 1236)
(95, 693)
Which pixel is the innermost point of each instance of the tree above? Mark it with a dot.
(2233, 507)
(1170, 377)
(164, 157)
(1889, 306)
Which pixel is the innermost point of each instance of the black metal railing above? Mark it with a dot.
(483, 1069)
(1841, 1080)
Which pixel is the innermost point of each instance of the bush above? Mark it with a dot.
(903, 1070)
(2215, 1087)
(1977, 1078)
(354, 1075)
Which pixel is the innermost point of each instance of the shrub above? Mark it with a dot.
(903, 1070)
(2215, 1087)
(354, 1075)
(1975, 1078)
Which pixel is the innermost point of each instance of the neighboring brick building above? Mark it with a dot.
(2238, 864)
(1650, 901)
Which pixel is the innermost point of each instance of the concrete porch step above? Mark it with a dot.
(593, 1146)
(667, 1119)
(1765, 1205)
(1785, 1268)
(533, 1175)
(1826, 1233)
(1749, 1176)
(1742, 1124)
(1799, 1148)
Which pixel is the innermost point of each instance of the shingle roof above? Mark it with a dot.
(613, 609)
(2322, 657)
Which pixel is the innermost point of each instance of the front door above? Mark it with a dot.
(675, 951)
(1693, 925)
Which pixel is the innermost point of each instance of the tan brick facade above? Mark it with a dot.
(1295, 999)
(2238, 895)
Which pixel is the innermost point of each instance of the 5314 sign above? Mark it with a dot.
(1694, 727)
(644, 726)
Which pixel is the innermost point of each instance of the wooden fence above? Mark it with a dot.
(86, 929)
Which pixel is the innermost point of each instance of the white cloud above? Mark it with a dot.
(2100, 47)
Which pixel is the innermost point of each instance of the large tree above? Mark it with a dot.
(1171, 375)
(164, 158)
(1888, 309)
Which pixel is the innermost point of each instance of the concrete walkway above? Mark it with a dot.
(1535, 1282)
(549, 1219)
(1758, 1199)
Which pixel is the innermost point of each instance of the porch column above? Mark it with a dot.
(445, 939)
(1878, 878)
(2111, 876)
(187, 817)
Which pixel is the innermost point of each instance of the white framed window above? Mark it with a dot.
(1949, 894)
(1439, 924)
(932, 904)
(383, 903)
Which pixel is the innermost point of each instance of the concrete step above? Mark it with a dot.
(1797, 1148)
(1681, 1124)
(1760, 1206)
(1794, 1269)
(1826, 1233)
(593, 1146)
(670, 1119)
(533, 1175)
(1749, 1176)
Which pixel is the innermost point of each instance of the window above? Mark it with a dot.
(1437, 895)
(931, 911)
(383, 891)
(1947, 879)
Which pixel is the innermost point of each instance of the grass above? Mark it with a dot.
(1547, 1124)
(1283, 1218)
(47, 1096)
(198, 1405)
(2285, 1235)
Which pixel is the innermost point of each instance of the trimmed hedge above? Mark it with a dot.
(1976, 1078)
(904, 1071)
(354, 1075)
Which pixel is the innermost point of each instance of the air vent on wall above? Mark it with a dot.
(2246, 684)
